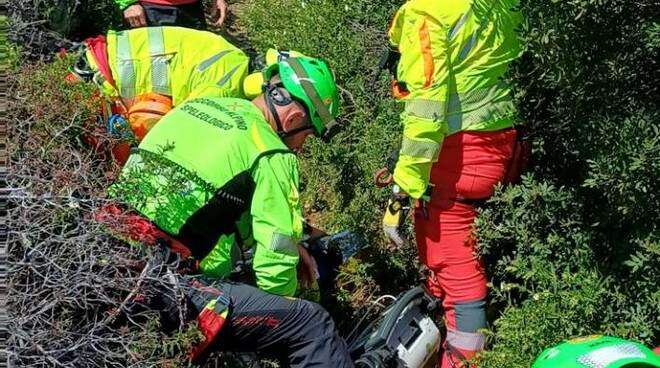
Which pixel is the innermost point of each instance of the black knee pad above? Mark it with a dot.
(470, 316)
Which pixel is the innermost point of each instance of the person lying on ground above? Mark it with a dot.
(217, 178)
(240, 318)
(143, 73)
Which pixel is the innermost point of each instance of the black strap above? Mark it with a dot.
(291, 132)
(469, 201)
(271, 106)
(311, 93)
(266, 154)
(273, 111)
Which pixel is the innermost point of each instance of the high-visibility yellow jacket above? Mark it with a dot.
(213, 173)
(453, 58)
(178, 62)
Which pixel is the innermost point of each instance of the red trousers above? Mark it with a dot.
(469, 166)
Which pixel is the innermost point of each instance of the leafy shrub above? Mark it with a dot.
(70, 18)
(574, 249)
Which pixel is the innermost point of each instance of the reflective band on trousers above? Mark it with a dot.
(126, 69)
(424, 149)
(466, 340)
(159, 64)
(464, 109)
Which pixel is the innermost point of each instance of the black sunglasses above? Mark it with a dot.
(274, 94)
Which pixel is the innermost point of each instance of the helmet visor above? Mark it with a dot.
(82, 69)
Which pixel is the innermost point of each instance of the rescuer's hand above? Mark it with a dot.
(220, 11)
(395, 216)
(308, 270)
(312, 233)
(135, 16)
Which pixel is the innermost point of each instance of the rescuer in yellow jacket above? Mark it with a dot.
(164, 60)
(215, 177)
(457, 143)
(144, 72)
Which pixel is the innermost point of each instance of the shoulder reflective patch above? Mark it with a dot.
(212, 60)
(475, 35)
(228, 76)
(603, 357)
(457, 27)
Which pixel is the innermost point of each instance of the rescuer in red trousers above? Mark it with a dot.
(458, 140)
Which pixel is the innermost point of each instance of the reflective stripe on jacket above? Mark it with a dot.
(212, 167)
(173, 61)
(453, 59)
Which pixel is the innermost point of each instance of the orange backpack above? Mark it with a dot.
(145, 111)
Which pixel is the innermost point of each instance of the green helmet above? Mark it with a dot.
(598, 352)
(310, 81)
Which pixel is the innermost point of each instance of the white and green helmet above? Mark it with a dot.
(598, 352)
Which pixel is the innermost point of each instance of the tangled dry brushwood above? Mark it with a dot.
(71, 283)
(28, 30)
(72, 286)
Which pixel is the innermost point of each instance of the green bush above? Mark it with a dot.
(574, 250)
(71, 18)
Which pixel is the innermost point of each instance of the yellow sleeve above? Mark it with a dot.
(424, 67)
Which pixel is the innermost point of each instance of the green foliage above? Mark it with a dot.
(8, 52)
(574, 249)
(56, 116)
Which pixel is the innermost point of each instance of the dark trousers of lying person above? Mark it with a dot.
(238, 317)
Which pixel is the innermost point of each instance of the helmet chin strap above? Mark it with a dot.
(273, 111)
